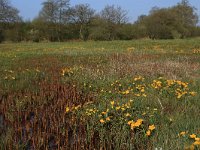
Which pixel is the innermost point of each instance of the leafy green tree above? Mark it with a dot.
(98, 29)
(173, 22)
(54, 13)
(8, 15)
(43, 31)
(160, 24)
(186, 17)
(126, 32)
(140, 27)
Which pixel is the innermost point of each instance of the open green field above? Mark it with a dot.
(119, 95)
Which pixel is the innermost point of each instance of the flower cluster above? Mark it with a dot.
(118, 105)
(196, 51)
(156, 84)
(72, 109)
(151, 128)
(67, 72)
(196, 140)
(135, 124)
(173, 87)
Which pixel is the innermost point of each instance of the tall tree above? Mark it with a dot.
(8, 13)
(54, 13)
(48, 12)
(82, 15)
(114, 14)
(186, 17)
(161, 24)
(178, 21)
(114, 17)
(47, 19)
(62, 8)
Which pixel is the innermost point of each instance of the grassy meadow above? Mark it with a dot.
(140, 95)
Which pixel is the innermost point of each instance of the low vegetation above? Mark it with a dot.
(100, 95)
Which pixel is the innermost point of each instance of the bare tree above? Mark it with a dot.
(54, 12)
(114, 18)
(62, 8)
(49, 12)
(82, 15)
(114, 14)
(8, 13)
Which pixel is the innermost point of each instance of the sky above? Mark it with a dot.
(29, 9)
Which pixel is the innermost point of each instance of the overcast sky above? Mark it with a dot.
(30, 8)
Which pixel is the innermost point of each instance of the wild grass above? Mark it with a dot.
(100, 95)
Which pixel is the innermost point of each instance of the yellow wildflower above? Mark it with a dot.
(144, 113)
(156, 84)
(138, 78)
(182, 133)
(102, 121)
(89, 114)
(152, 127)
(127, 92)
(140, 120)
(132, 126)
(179, 96)
(67, 109)
(123, 108)
(112, 102)
(142, 90)
(77, 107)
(104, 113)
(144, 95)
(130, 122)
(131, 100)
(148, 133)
(91, 110)
(196, 143)
(193, 136)
(197, 139)
(130, 48)
(191, 147)
(193, 93)
(108, 119)
(127, 115)
(138, 95)
(137, 123)
(117, 108)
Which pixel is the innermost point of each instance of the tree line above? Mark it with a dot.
(59, 21)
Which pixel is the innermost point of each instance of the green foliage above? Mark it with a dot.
(1, 36)
(195, 31)
(58, 21)
(172, 22)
